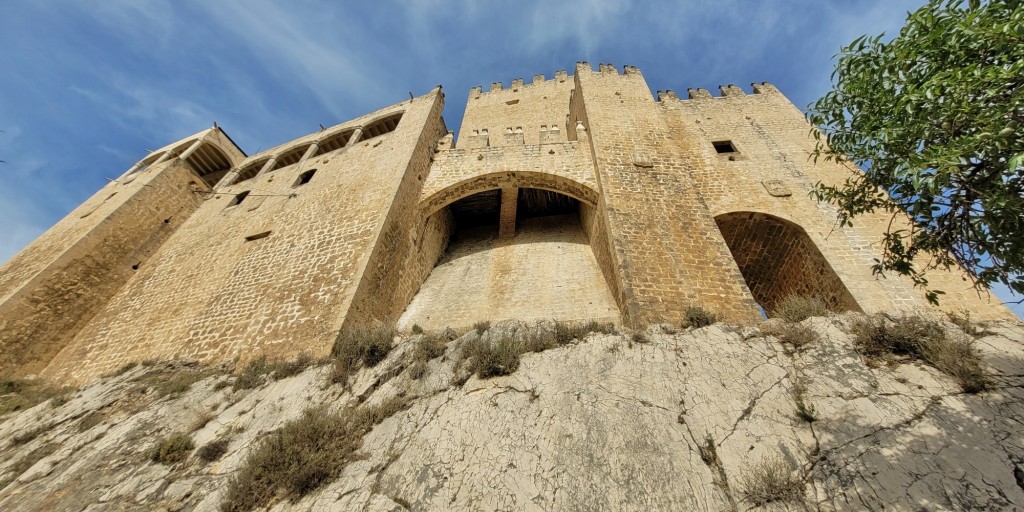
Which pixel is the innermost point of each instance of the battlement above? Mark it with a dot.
(725, 91)
(584, 66)
(519, 84)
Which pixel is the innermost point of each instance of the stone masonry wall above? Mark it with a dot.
(88, 257)
(772, 172)
(527, 106)
(218, 290)
(669, 252)
(396, 265)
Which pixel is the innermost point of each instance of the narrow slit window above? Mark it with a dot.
(724, 146)
(238, 199)
(257, 236)
(304, 178)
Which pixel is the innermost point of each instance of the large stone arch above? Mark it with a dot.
(778, 258)
(505, 180)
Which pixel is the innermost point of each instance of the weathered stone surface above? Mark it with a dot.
(605, 423)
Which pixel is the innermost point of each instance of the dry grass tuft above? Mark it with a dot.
(428, 347)
(201, 419)
(772, 481)
(355, 348)
(303, 455)
(285, 369)
(915, 337)
(254, 374)
(797, 308)
(962, 319)
(491, 358)
(481, 327)
(540, 338)
(795, 336)
(171, 449)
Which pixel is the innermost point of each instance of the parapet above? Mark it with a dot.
(725, 91)
(518, 84)
(607, 68)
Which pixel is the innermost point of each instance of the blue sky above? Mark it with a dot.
(88, 87)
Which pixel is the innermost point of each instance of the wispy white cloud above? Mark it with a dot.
(324, 53)
(586, 24)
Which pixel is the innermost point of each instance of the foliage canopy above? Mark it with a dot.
(933, 118)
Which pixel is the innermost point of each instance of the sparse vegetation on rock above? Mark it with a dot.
(18, 394)
(772, 480)
(429, 346)
(697, 317)
(493, 357)
(795, 337)
(213, 450)
(359, 347)
(303, 455)
(916, 337)
(797, 308)
(172, 449)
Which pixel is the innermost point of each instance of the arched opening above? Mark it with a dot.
(210, 163)
(778, 259)
(250, 170)
(510, 253)
(291, 157)
(381, 126)
(334, 142)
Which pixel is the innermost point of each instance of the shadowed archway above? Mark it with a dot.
(777, 259)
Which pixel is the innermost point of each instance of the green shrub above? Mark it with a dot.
(359, 347)
(797, 308)
(303, 455)
(171, 449)
(771, 480)
(416, 329)
(914, 337)
(697, 316)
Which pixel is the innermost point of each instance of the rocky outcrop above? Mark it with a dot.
(683, 421)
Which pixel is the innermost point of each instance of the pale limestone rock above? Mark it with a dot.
(600, 424)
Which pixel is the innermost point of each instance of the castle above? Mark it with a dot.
(574, 197)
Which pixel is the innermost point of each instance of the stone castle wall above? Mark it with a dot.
(682, 202)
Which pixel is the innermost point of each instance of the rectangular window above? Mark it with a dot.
(238, 199)
(257, 236)
(304, 178)
(724, 146)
